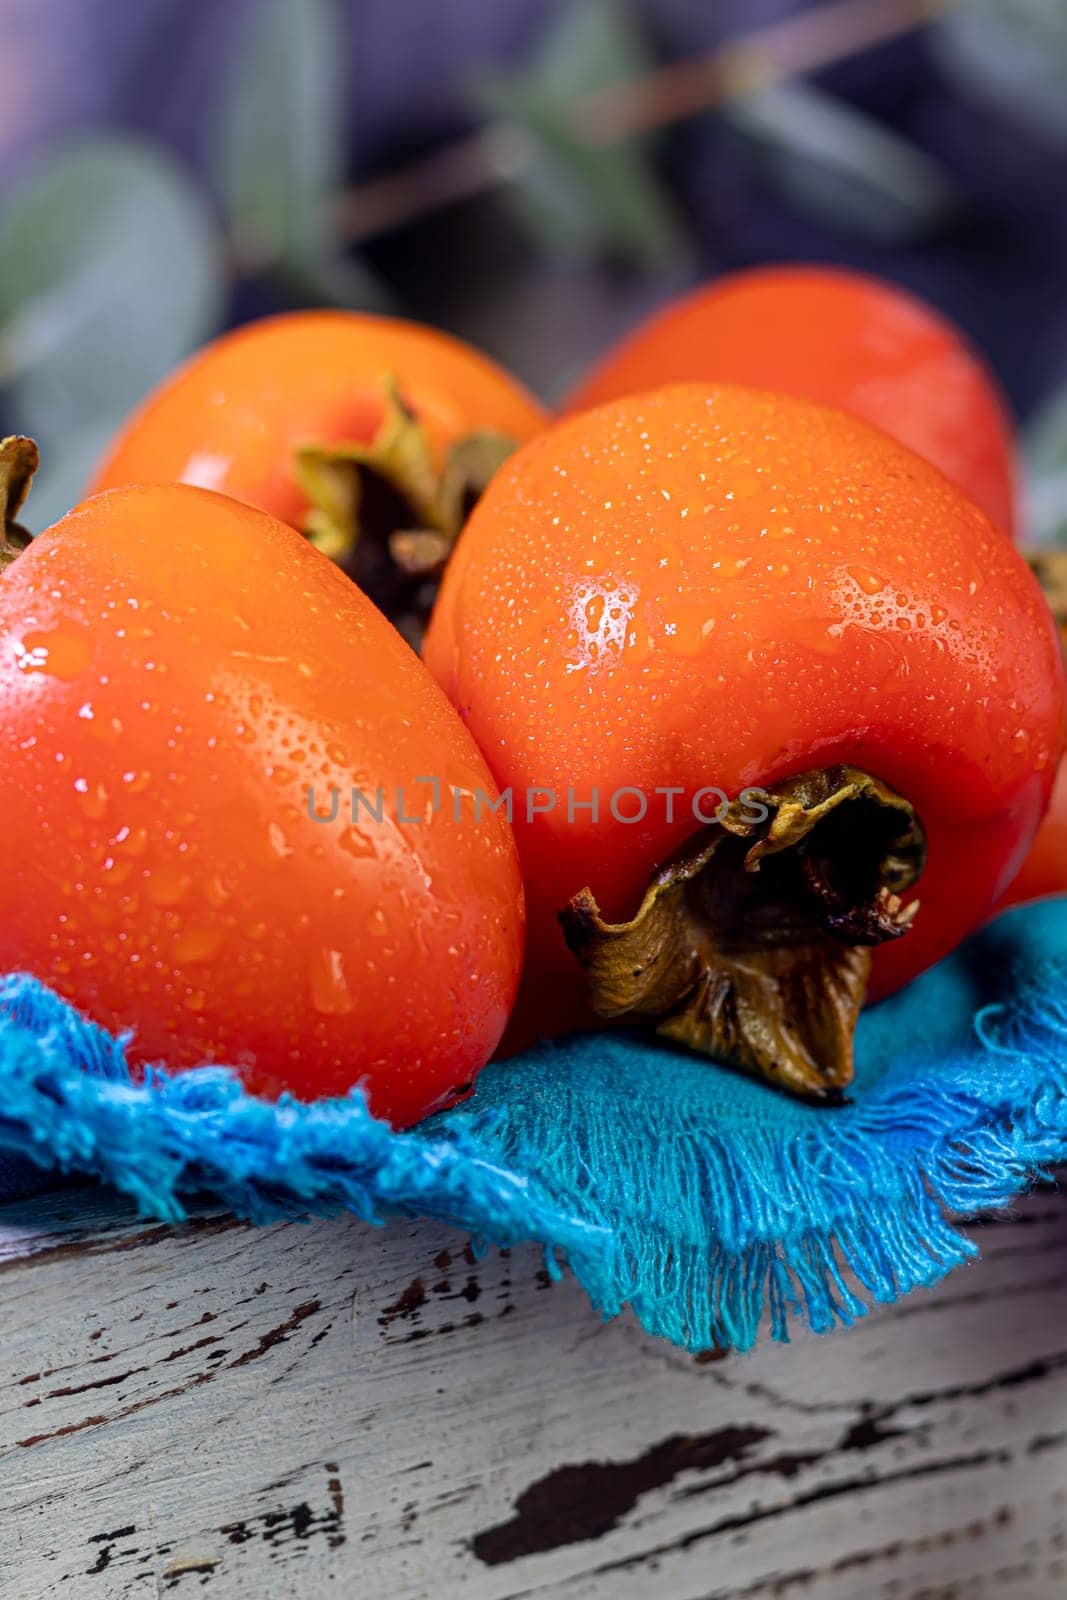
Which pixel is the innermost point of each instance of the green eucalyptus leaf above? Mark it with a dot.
(110, 273)
(838, 164)
(282, 150)
(1044, 444)
(579, 198)
(1011, 54)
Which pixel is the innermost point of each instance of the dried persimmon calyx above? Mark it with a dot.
(388, 512)
(752, 944)
(19, 460)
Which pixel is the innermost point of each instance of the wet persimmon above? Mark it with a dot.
(227, 786)
(1044, 872)
(842, 338)
(370, 434)
(754, 675)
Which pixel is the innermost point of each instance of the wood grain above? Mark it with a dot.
(305, 1410)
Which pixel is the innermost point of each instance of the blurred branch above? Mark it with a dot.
(459, 171)
(771, 55)
(500, 153)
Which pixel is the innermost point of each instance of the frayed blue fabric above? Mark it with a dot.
(708, 1203)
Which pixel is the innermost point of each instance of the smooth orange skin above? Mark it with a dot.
(843, 339)
(232, 417)
(176, 669)
(725, 586)
(1044, 871)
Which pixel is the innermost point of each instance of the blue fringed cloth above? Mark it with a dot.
(700, 1198)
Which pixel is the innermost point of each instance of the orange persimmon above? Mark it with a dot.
(723, 591)
(370, 434)
(1044, 872)
(192, 696)
(842, 338)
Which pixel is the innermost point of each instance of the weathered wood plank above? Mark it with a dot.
(326, 1408)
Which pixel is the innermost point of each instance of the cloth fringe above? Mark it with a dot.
(591, 1148)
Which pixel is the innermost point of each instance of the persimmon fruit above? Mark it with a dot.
(842, 338)
(371, 434)
(1044, 871)
(728, 590)
(193, 697)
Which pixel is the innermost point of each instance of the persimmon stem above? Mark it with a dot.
(388, 512)
(19, 460)
(752, 944)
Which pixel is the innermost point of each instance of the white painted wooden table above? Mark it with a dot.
(333, 1410)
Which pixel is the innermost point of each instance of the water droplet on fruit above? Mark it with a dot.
(866, 580)
(277, 843)
(730, 566)
(198, 944)
(167, 887)
(216, 892)
(92, 798)
(823, 636)
(59, 653)
(356, 843)
(594, 611)
(329, 987)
